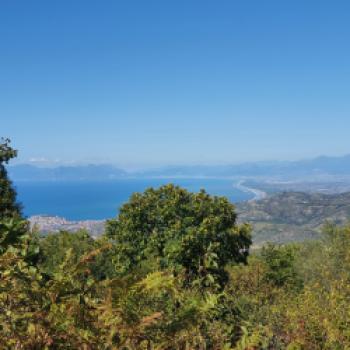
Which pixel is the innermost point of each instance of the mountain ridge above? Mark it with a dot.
(27, 172)
(316, 167)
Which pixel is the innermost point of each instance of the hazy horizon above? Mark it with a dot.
(138, 167)
(154, 83)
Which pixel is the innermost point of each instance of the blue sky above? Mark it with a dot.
(140, 83)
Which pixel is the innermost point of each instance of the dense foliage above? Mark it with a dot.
(171, 228)
(8, 205)
(12, 225)
(171, 273)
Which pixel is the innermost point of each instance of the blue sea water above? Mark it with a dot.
(83, 200)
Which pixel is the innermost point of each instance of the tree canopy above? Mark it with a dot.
(8, 205)
(12, 224)
(170, 227)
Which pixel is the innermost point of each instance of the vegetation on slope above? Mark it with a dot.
(172, 273)
(294, 216)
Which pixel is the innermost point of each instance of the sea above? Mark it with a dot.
(97, 200)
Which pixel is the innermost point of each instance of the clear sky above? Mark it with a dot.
(175, 81)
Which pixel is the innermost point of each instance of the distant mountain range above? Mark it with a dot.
(314, 167)
(318, 167)
(26, 172)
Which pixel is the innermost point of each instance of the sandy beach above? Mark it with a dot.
(258, 194)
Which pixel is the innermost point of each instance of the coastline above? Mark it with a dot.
(258, 194)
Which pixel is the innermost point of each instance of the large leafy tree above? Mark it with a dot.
(12, 224)
(170, 227)
(8, 204)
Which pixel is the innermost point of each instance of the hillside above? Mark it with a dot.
(293, 216)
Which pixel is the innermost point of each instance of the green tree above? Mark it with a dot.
(12, 225)
(54, 247)
(281, 263)
(170, 227)
(8, 205)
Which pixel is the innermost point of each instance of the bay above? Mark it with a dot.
(96, 200)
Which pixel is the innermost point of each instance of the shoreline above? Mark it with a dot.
(258, 194)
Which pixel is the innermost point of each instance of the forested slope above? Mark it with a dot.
(173, 271)
(293, 216)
